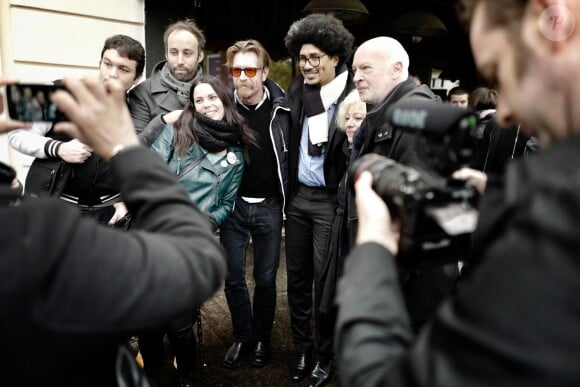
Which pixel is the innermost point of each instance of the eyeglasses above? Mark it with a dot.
(314, 60)
(250, 71)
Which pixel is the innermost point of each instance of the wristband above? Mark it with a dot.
(56, 148)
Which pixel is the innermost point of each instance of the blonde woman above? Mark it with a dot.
(351, 113)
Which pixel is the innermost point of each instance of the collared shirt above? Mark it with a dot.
(265, 97)
(311, 168)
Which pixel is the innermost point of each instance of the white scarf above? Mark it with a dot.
(329, 93)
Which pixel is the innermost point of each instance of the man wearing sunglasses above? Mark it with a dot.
(259, 207)
(322, 45)
(161, 97)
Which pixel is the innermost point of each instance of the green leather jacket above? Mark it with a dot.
(211, 184)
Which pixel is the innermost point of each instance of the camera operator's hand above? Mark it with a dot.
(473, 176)
(8, 125)
(74, 151)
(374, 220)
(99, 114)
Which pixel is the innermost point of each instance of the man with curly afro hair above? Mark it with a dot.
(321, 45)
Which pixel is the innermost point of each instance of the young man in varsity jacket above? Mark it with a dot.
(65, 167)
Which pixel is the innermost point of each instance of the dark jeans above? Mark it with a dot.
(308, 224)
(263, 223)
(100, 214)
(182, 343)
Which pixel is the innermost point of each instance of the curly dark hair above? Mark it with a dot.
(323, 31)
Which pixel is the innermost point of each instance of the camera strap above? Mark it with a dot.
(516, 142)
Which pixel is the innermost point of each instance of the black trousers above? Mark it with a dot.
(182, 343)
(309, 219)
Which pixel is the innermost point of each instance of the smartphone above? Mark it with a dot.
(31, 102)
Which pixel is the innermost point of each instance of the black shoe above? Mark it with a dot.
(320, 374)
(260, 354)
(235, 353)
(299, 367)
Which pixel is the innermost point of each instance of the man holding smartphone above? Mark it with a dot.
(66, 167)
(68, 309)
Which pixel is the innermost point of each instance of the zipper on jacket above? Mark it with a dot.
(277, 156)
(281, 134)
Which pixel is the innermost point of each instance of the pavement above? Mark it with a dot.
(217, 338)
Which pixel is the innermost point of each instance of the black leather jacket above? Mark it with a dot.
(378, 136)
(280, 132)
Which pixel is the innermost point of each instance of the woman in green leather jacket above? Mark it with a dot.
(205, 148)
(204, 145)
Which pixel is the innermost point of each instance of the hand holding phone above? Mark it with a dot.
(31, 102)
(7, 125)
(99, 116)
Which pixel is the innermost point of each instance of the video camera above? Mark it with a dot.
(437, 213)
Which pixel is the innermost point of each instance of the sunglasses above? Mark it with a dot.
(250, 71)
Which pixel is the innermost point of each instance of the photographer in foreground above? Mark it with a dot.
(72, 290)
(514, 320)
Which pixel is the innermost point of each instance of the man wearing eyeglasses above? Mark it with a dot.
(161, 97)
(322, 45)
(259, 207)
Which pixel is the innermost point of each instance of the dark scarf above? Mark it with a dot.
(213, 135)
(316, 101)
(312, 106)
